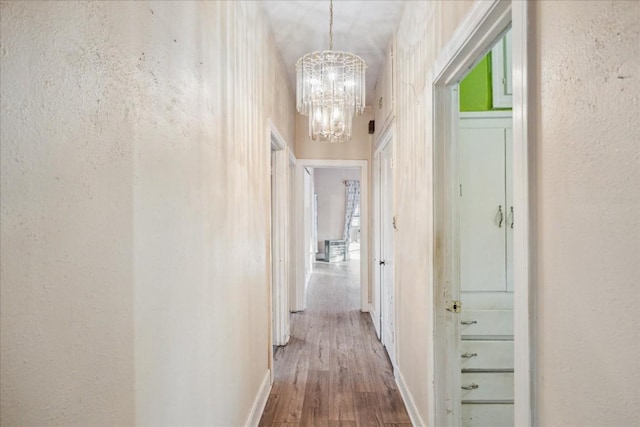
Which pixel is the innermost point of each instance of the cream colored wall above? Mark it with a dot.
(424, 29)
(588, 213)
(587, 206)
(359, 148)
(135, 220)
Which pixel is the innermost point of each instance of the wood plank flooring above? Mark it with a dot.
(334, 371)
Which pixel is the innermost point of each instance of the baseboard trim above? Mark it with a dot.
(374, 320)
(416, 421)
(260, 402)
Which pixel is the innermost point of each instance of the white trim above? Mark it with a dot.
(298, 297)
(260, 402)
(498, 78)
(293, 231)
(498, 114)
(277, 140)
(280, 238)
(523, 240)
(471, 41)
(484, 24)
(412, 409)
(381, 143)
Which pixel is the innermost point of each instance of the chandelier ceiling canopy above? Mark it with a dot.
(330, 90)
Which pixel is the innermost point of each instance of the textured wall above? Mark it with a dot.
(67, 219)
(135, 212)
(588, 208)
(423, 31)
(587, 205)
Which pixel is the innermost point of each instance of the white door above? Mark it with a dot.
(377, 277)
(483, 214)
(386, 258)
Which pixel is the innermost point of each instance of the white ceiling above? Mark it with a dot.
(359, 26)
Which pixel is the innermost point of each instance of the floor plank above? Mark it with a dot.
(334, 371)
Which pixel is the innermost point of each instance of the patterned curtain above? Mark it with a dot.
(353, 199)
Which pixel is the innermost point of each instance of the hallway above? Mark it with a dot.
(334, 371)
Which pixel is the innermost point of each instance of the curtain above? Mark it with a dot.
(353, 200)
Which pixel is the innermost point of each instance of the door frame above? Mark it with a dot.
(279, 240)
(381, 142)
(484, 24)
(386, 142)
(298, 297)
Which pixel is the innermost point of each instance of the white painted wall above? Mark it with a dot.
(331, 191)
(588, 213)
(587, 199)
(135, 211)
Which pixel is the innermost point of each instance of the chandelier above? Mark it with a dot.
(330, 90)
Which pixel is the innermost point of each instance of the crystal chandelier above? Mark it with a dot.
(330, 90)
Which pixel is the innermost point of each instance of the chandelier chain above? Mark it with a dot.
(331, 25)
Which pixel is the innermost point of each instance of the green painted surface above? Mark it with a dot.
(476, 90)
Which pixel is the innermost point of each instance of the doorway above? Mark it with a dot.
(384, 297)
(314, 246)
(280, 239)
(482, 365)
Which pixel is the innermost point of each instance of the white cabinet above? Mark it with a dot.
(485, 213)
(383, 101)
(501, 80)
(486, 203)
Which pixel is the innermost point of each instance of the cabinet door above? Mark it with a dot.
(482, 209)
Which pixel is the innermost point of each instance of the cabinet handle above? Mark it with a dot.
(380, 103)
(472, 386)
(468, 355)
(512, 217)
(468, 322)
(501, 216)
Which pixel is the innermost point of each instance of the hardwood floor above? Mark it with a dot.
(334, 371)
